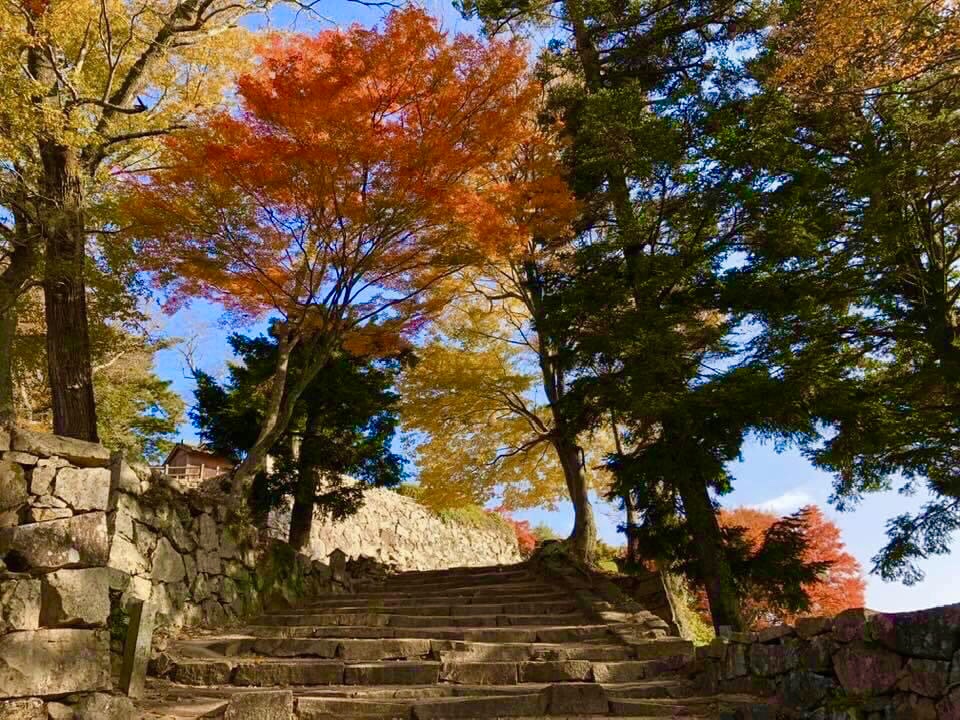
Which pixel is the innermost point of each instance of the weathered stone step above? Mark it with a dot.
(412, 607)
(652, 689)
(386, 601)
(512, 634)
(483, 575)
(419, 621)
(303, 671)
(674, 707)
(662, 647)
(354, 650)
(492, 590)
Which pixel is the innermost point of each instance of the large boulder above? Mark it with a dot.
(79, 452)
(83, 488)
(79, 541)
(76, 597)
(865, 670)
(54, 662)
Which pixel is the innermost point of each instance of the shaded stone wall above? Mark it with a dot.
(860, 664)
(396, 530)
(54, 581)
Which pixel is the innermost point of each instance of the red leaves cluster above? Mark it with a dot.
(842, 588)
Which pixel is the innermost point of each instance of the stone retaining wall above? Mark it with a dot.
(54, 581)
(861, 664)
(396, 530)
(82, 535)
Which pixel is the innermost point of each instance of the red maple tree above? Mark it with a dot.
(842, 586)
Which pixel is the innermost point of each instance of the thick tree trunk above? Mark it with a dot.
(583, 538)
(13, 280)
(301, 516)
(68, 336)
(714, 568)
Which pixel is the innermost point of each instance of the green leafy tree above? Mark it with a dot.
(858, 251)
(343, 426)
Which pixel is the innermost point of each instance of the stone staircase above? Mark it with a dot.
(489, 642)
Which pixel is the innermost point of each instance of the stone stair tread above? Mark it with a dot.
(462, 644)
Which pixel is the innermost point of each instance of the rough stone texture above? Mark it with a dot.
(167, 563)
(888, 666)
(396, 530)
(931, 634)
(100, 706)
(28, 709)
(79, 452)
(4, 440)
(41, 479)
(268, 705)
(865, 670)
(13, 485)
(949, 707)
(19, 604)
(83, 488)
(80, 541)
(76, 597)
(54, 662)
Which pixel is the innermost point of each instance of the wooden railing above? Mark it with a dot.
(191, 474)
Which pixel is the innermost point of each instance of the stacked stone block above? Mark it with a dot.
(874, 665)
(398, 531)
(54, 581)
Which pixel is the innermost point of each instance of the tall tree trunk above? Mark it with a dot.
(714, 568)
(68, 335)
(583, 537)
(301, 516)
(21, 266)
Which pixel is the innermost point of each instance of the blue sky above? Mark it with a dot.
(780, 482)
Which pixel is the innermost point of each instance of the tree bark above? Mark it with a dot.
(301, 516)
(714, 568)
(583, 537)
(20, 269)
(68, 337)
(8, 330)
(633, 542)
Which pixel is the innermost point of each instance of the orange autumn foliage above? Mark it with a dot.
(842, 588)
(348, 181)
(854, 46)
(341, 195)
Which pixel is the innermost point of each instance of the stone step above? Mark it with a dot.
(412, 607)
(512, 634)
(673, 708)
(419, 621)
(386, 601)
(662, 647)
(496, 590)
(354, 650)
(312, 671)
(416, 579)
(652, 689)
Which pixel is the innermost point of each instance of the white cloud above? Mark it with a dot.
(788, 502)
